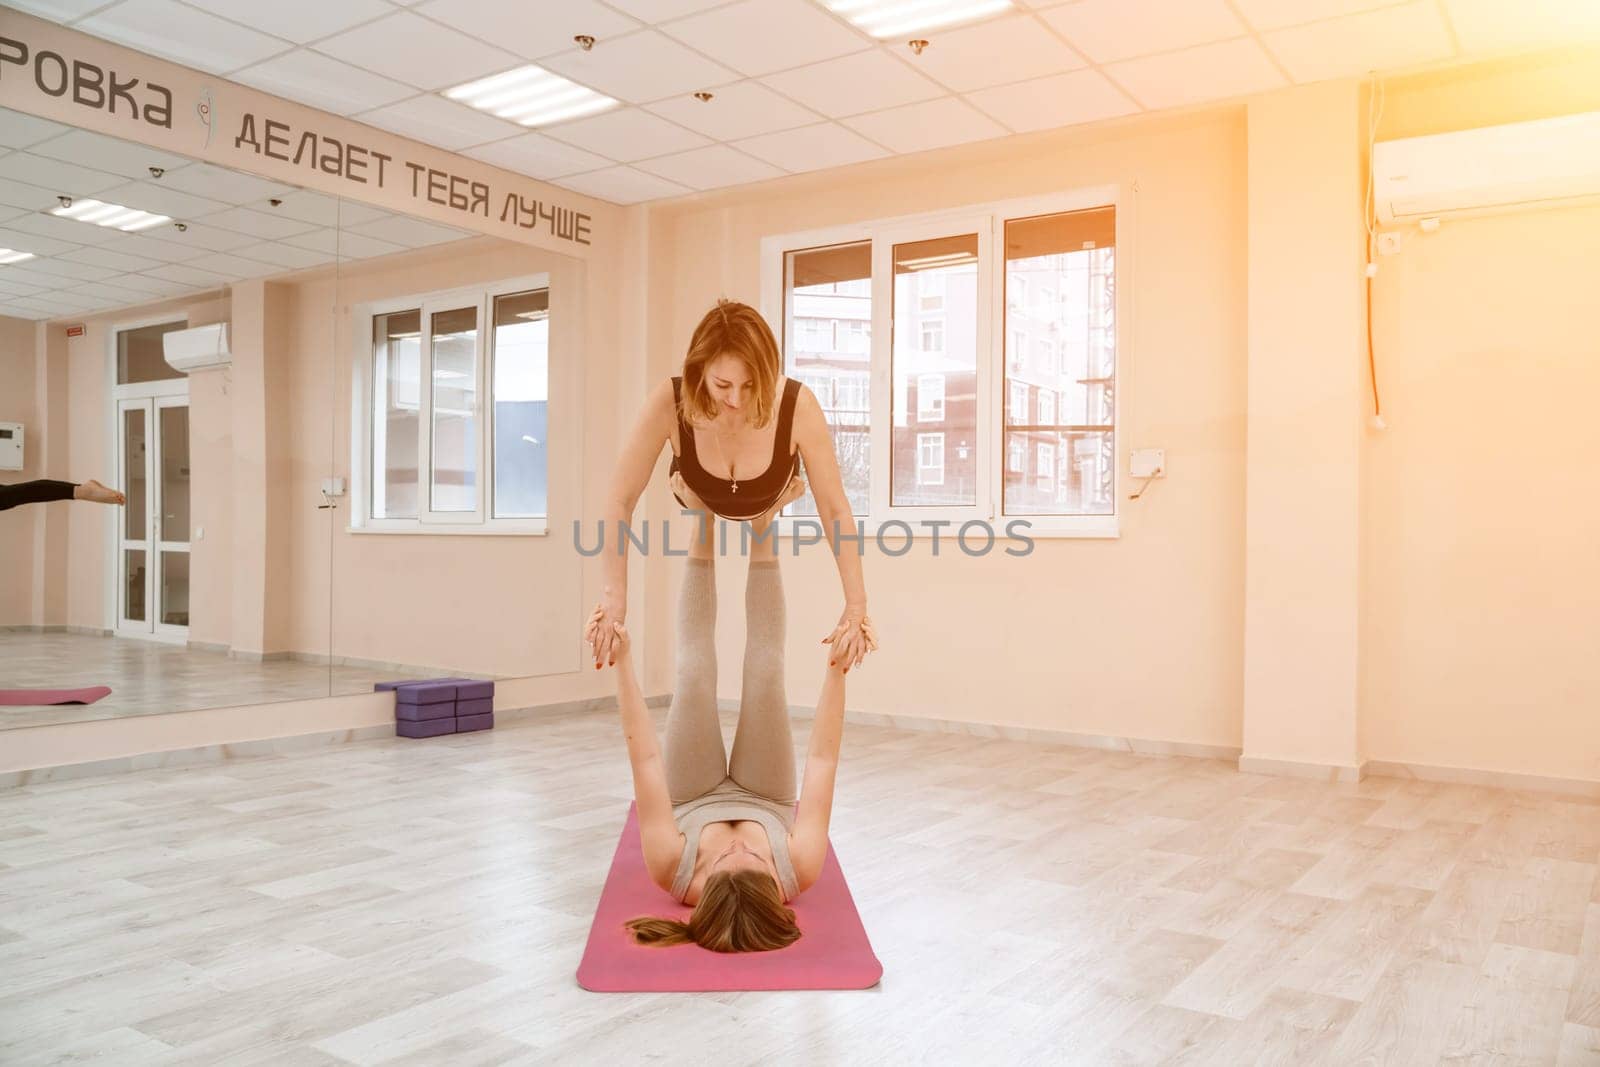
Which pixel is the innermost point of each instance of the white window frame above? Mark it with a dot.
(936, 440)
(429, 521)
(930, 411)
(882, 234)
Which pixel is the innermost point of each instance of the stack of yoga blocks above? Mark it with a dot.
(436, 706)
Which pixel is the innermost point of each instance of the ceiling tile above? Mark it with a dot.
(1194, 75)
(622, 185)
(299, 20)
(286, 256)
(105, 257)
(661, 10)
(1059, 100)
(264, 224)
(930, 124)
(26, 197)
(538, 156)
(182, 33)
(62, 268)
(157, 248)
(113, 291)
(175, 272)
(323, 210)
(507, 24)
(56, 175)
(154, 196)
(151, 287)
(37, 243)
(345, 245)
(640, 67)
(1491, 27)
(418, 51)
(437, 121)
(625, 135)
(233, 266)
(965, 59)
(318, 80)
(200, 238)
(866, 81)
(19, 131)
(1106, 30)
(816, 147)
(1276, 14)
(743, 109)
(713, 167)
(408, 232)
(81, 233)
(219, 183)
(57, 10)
(757, 37)
(85, 149)
(1349, 47)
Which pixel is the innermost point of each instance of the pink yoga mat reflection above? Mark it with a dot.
(25, 697)
(834, 952)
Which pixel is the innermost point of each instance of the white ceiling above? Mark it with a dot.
(233, 231)
(796, 87)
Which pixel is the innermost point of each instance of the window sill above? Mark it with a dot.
(531, 528)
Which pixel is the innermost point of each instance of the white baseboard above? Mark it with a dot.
(1319, 772)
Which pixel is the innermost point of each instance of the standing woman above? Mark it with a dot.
(738, 430)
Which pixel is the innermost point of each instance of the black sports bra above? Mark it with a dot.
(753, 496)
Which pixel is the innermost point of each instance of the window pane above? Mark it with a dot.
(1060, 363)
(141, 356)
(136, 527)
(828, 345)
(521, 394)
(1053, 472)
(174, 473)
(133, 587)
(175, 588)
(935, 351)
(454, 477)
(396, 408)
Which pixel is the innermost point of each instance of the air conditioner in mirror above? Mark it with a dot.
(197, 348)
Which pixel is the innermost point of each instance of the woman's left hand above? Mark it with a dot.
(852, 638)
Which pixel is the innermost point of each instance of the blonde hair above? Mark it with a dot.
(738, 330)
(739, 911)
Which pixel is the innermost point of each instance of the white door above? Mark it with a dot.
(153, 539)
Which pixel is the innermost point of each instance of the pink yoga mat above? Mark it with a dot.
(17, 697)
(834, 952)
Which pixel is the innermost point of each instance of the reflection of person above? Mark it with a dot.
(732, 405)
(43, 490)
(724, 835)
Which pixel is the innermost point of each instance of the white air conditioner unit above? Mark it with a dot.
(197, 348)
(1546, 163)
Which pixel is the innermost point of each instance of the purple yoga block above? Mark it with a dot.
(426, 693)
(468, 723)
(429, 728)
(474, 707)
(424, 712)
(474, 690)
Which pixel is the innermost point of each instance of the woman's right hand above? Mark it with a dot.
(601, 632)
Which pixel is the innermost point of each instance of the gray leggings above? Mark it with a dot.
(763, 744)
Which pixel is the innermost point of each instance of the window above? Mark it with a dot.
(999, 332)
(820, 384)
(455, 411)
(930, 397)
(930, 458)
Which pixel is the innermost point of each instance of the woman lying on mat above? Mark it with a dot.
(738, 430)
(44, 490)
(720, 835)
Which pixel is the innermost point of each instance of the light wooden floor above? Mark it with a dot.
(427, 903)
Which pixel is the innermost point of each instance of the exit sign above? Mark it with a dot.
(75, 331)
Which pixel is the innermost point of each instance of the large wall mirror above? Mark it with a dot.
(338, 432)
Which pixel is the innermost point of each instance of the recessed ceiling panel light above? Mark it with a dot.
(115, 215)
(8, 256)
(531, 96)
(890, 18)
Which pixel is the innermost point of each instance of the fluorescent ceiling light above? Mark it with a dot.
(8, 256)
(103, 214)
(531, 96)
(890, 18)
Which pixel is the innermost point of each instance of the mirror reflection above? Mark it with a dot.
(247, 437)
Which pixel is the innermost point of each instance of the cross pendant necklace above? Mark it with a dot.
(734, 487)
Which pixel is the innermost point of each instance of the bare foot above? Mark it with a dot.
(93, 490)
